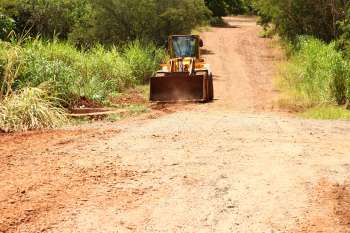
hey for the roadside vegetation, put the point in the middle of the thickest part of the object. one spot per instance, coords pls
(316, 35)
(58, 55)
(30, 108)
(68, 75)
(316, 73)
(221, 8)
(327, 112)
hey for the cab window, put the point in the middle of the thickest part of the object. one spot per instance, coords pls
(184, 46)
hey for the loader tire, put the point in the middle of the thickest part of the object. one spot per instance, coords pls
(211, 88)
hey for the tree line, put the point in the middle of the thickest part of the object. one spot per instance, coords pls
(117, 21)
(327, 20)
(86, 22)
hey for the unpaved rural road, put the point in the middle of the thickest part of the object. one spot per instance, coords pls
(235, 165)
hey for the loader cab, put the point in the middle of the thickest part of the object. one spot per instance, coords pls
(181, 46)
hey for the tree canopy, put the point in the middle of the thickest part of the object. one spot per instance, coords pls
(318, 18)
(117, 21)
(226, 7)
(104, 21)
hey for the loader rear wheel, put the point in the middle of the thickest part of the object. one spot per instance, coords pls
(211, 88)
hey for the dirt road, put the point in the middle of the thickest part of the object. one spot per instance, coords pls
(234, 165)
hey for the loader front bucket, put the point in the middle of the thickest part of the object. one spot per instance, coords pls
(179, 87)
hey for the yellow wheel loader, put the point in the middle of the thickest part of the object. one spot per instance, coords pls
(185, 76)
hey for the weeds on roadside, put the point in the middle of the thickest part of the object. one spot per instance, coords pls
(31, 108)
(316, 74)
(143, 59)
(69, 75)
(10, 64)
(327, 112)
(73, 74)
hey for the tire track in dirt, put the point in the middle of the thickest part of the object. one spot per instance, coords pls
(329, 209)
(243, 64)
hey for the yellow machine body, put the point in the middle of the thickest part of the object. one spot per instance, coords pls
(185, 76)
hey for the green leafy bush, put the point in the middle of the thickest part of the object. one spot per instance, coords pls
(86, 22)
(7, 24)
(343, 41)
(31, 108)
(317, 73)
(120, 21)
(226, 7)
(217, 22)
(303, 17)
(48, 18)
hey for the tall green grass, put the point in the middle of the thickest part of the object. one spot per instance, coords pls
(316, 73)
(74, 74)
(31, 108)
(10, 64)
(71, 73)
(68, 74)
(144, 59)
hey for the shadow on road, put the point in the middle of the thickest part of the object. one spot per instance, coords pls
(228, 26)
(207, 52)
